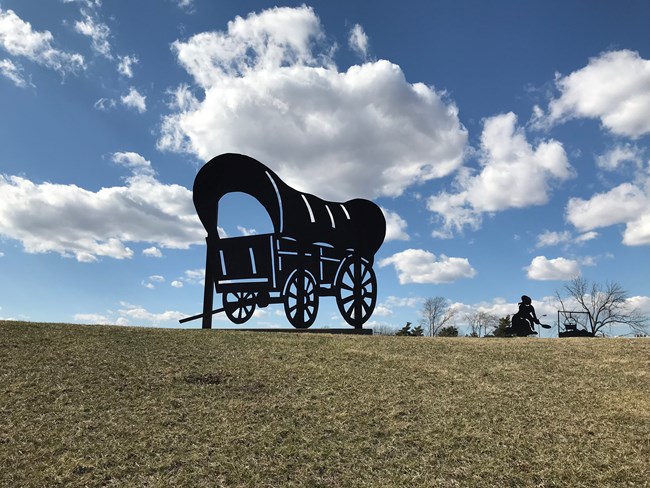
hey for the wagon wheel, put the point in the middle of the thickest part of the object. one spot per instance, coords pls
(301, 299)
(239, 306)
(356, 287)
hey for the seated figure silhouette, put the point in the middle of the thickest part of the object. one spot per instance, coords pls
(523, 320)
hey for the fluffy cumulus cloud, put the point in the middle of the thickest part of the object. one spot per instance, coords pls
(268, 87)
(135, 162)
(72, 221)
(542, 268)
(513, 174)
(395, 226)
(628, 203)
(18, 38)
(599, 91)
(135, 100)
(152, 252)
(620, 155)
(420, 266)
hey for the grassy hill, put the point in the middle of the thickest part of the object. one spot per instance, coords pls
(99, 405)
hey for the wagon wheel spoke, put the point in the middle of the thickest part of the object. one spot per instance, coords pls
(301, 299)
(356, 293)
(239, 306)
(366, 283)
(347, 287)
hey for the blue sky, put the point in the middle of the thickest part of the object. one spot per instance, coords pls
(507, 142)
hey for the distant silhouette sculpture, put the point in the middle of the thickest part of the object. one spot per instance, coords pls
(523, 321)
(318, 248)
(571, 326)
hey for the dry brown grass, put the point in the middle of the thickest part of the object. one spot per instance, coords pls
(98, 406)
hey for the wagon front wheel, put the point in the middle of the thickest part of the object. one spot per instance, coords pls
(356, 287)
(239, 306)
(301, 299)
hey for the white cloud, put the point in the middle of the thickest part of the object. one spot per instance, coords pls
(420, 266)
(125, 66)
(246, 232)
(92, 318)
(71, 221)
(177, 284)
(187, 5)
(641, 303)
(542, 268)
(548, 238)
(271, 90)
(152, 280)
(98, 32)
(619, 155)
(88, 3)
(135, 100)
(136, 312)
(382, 311)
(104, 104)
(19, 39)
(358, 41)
(513, 174)
(12, 72)
(194, 276)
(409, 302)
(152, 252)
(133, 161)
(614, 88)
(637, 232)
(587, 236)
(622, 204)
(395, 226)
(627, 203)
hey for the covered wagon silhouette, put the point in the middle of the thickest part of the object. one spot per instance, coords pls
(318, 248)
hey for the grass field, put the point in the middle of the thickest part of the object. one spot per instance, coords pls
(114, 406)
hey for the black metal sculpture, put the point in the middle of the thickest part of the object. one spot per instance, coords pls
(523, 322)
(318, 248)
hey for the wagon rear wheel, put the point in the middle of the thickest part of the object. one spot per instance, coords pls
(239, 305)
(301, 299)
(356, 286)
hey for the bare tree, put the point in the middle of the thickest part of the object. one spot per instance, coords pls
(479, 322)
(436, 313)
(606, 305)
